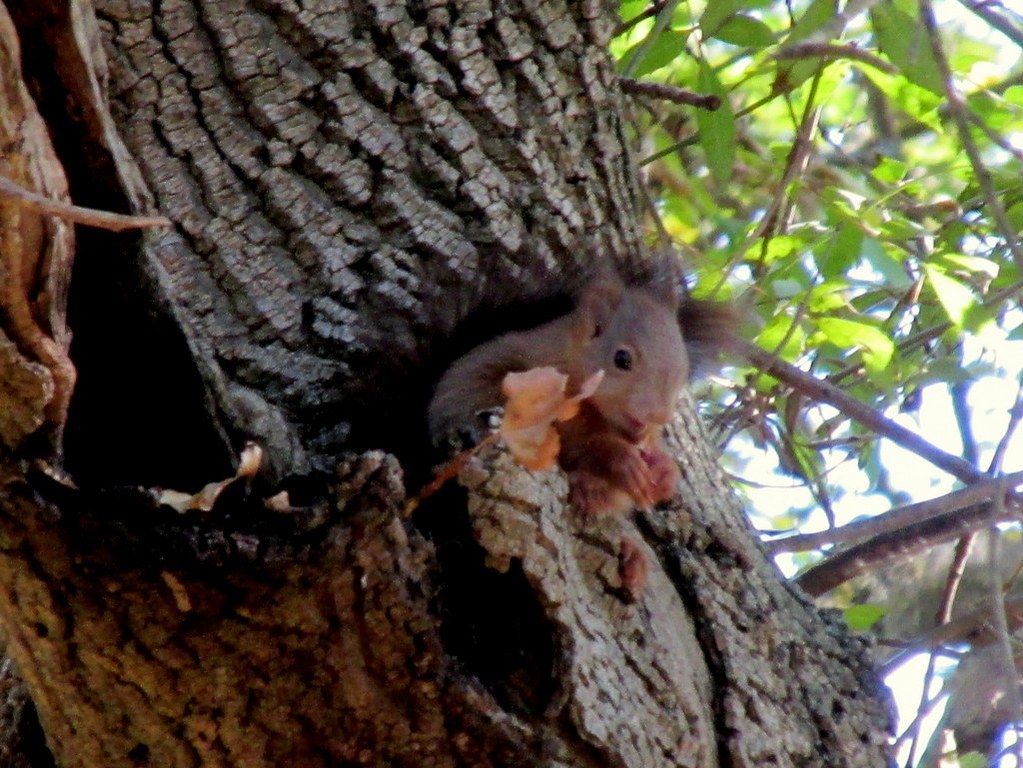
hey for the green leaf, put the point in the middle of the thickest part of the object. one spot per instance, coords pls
(955, 298)
(790, 75)
(668, 46)
(889, 170)
(919, 103)
(1015, 214)
(862, 617)
(905, 42)
(1014, 95)
(717, 128)
(972, 760)
(828, 297)
(875, 344)
(778, 330)
(630, 9)
(817, 15)
(842, 252)
(777, 248)
(717, 13)
(975, 264)
(745, 31)
(946, 370)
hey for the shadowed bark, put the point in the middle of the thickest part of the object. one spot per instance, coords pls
(350, 186)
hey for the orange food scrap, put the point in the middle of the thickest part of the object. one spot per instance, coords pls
(536, 400)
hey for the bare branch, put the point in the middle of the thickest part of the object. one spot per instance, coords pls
(898, 545)
(974, 628)
(670, 93)
(897, 519)
(115, 222)
(825, 392)
(833, 52)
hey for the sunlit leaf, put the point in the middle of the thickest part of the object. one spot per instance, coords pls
(889, 170)
(968, 263)
(717, 13)
(780, 336)
(955, 298)
(745, 31)
(905, 41)
(876, 345)
(842, 251)
(630, 9)
(668, 46)
(816, 16)
(863, 617)
(917, 102)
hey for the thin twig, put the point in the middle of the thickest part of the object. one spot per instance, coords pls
(956, 569)
(1015, 417)
(114, 222)
(833, 52)
(672, 93)
(995, 137)
(795, 164)
(646, 13)
(1002, 24)
(822, 391)
(897, 545)
(688, 142)
(926, 705)
(447, 472)
(974, 628)
(957, 110)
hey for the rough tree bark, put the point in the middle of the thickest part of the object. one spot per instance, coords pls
(348, 182)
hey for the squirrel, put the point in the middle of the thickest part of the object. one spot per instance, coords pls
(612, 450)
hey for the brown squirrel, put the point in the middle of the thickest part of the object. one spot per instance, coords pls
(612, 450)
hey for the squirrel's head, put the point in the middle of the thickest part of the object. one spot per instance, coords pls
(633, 334)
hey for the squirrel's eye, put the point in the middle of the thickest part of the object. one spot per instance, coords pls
(623, 359)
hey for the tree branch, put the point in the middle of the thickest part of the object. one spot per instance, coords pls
(823, 391)
(832, 52)
(897, 519)
(897, 545)
(670, 93)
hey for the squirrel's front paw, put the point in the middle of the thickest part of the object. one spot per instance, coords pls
(593, 495)
(664, 474)
(634, 476)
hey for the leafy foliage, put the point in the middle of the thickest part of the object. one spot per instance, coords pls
(860, 192)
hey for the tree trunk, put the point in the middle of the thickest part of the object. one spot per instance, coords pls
(351, 185)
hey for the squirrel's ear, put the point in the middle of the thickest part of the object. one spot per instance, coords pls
(597, 305)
